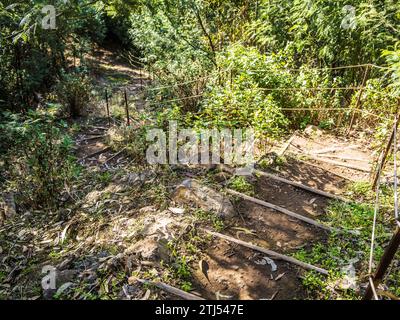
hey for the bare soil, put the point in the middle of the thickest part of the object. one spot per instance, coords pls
(232, 268)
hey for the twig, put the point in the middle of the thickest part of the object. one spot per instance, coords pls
(115, 155)
(171, 289)
(100, 128)
(95, 154)
(93, 138)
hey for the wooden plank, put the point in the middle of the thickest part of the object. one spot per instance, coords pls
(301, 186)
(328, 171)
(333, 149)
(95, 153)
(268, 252)
(175, 291)
(282, 210)
(337, 163)
(286, 145)
(333, 156)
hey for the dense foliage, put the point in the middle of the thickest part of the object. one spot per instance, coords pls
(246, 48)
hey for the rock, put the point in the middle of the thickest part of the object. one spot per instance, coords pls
(9, 204)
(193, 192)
(62, 277)
(65, 276)
(313, 130)
(150, 249)
(176, 210)
(158, 224)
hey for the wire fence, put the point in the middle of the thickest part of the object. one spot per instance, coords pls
(114, 100)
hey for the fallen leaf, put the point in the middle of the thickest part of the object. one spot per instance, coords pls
(246, 231)
(219, 295)
(204, 267)
(64, 287)
(64, 233)
(312, 200)
(266, 260)
(177, 210)
(280, 276)
(146, 295)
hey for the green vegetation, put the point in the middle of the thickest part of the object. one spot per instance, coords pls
(42, 161)
(240, 184)
(344, 252)
(227, 56)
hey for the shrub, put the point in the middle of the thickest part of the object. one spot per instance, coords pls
(237, 99)
(74, 92)
(42, 162)
(233, 108)
(133, 140)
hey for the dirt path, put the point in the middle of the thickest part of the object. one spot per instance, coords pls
(111, 72)
(236, 272)
(107, 214)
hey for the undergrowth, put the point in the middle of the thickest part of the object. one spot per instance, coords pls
(346, 255)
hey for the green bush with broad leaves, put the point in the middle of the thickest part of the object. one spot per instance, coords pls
(40, 160)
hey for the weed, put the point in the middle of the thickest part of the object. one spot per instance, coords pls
(104, 177)
(216, 222)
(340, 249)
(240, 184)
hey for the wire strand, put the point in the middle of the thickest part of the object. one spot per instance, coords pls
(329, 68)
(311, 88)
(396, 215)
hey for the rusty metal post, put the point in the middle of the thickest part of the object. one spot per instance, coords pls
(385, 262)
(150, 74)
(108, 109)
(385, 154)
(128, 121)
(359, 98)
